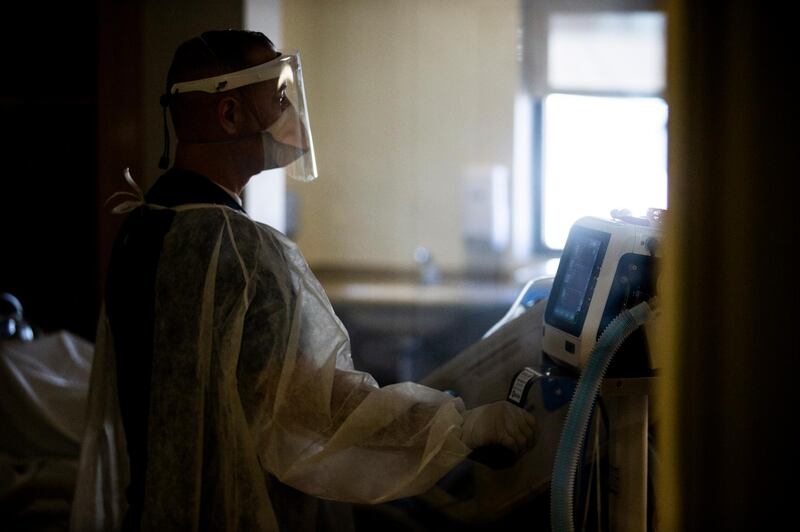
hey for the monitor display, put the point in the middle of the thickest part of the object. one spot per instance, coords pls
(577, 274)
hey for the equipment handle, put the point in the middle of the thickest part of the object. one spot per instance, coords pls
(498, 456)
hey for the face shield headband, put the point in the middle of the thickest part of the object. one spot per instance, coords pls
(287, 141)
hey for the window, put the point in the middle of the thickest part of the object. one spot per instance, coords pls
(600, 129)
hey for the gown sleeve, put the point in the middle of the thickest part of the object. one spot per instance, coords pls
(325, 428)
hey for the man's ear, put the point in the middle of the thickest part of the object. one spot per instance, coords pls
(229, 114)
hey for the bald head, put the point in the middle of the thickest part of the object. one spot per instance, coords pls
(210, 54)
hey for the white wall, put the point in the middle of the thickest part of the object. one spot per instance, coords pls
(404, 98)
(265, 194)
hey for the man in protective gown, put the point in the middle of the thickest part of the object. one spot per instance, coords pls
(223, 394)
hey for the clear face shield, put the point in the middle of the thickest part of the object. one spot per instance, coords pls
(279, 102)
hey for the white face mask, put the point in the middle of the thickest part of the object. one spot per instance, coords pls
(286, 142)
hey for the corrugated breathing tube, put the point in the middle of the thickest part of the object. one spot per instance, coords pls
(568, 454)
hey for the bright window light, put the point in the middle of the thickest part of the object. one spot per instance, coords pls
(621, 52)
(601, 153)
(603, 136)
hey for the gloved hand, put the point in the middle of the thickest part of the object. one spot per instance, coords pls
(499, 423)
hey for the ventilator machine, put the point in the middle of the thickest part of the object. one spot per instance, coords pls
(574, 351)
